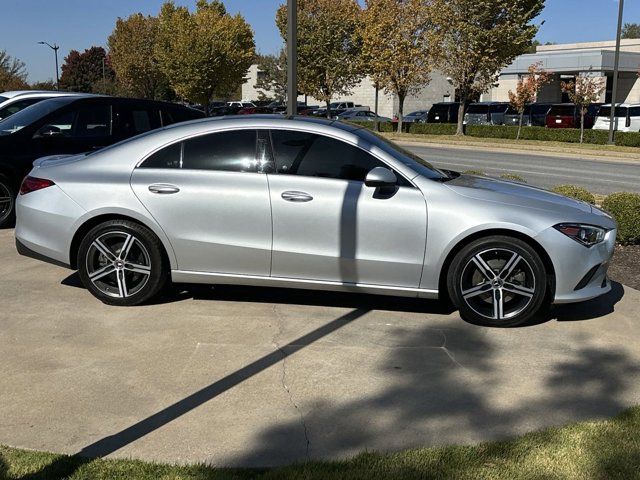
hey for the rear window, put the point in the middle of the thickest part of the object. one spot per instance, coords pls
(498, 108)
(513, 111)
(540, 109)
(563, 110)
(474, 108)
(606, 112)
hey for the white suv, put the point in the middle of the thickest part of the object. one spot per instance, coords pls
(14, 101)
(627, 118)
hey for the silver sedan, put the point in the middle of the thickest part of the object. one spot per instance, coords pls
(308, 203)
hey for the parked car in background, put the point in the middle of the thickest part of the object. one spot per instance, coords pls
(362, 116)
(417, 116)
(627, 118)
(486, 113)
(443, 112)
(336, 108)
(253, 110)
(72, 125)
(14, 101)
(242, 104)
(567, 115)
(273, 201)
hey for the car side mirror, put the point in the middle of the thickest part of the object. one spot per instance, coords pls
(380, 177)
(48, 131)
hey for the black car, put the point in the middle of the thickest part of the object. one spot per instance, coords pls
(443, 112)
(534, 115)
(72, 125)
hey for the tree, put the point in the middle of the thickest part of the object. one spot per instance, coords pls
(329, 46)
(527, 90)
(203, 54)
(83, 72)
(272, 76)
(43, 85)
(631, 30)
(395, 47)
(13, 75)
(585, 90)
(478, 38)
(533, 48)
(131, 50)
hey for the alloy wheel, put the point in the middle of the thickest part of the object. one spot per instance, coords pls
(118, 264)
(497, 284)
(6, 202)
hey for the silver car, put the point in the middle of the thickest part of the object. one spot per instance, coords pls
(308, 203)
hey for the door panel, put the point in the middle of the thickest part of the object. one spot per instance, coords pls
(347, 232)
(217, 221)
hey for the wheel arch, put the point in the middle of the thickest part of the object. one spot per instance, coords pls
(91, 222)
(538, 248)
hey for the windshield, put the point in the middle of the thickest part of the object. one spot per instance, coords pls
(29, 115)
(475, 108)
(620, 112)
(403, 155)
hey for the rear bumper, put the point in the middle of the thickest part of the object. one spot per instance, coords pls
(27, 252)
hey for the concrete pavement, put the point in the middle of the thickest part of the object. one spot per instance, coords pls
(596, 175)
(256, 377)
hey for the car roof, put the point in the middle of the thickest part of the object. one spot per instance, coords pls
(623, 105)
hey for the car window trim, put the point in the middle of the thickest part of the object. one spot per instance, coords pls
(339, 139)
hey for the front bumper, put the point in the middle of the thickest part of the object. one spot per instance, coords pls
(580, 272)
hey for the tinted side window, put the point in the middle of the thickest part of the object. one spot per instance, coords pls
(168, 157)
(301, 153)
(136, 120)
(634, 112)
(15, 107)
(230, 151)
(85, 122)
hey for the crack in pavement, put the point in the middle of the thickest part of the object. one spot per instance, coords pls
(274, 341)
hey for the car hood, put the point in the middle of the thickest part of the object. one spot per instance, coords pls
(513, 193)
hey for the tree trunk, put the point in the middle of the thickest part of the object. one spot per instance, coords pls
(461, 110)
(376, 124)
(520, 125)
(328, 103)
(581, 125)
(401, 99)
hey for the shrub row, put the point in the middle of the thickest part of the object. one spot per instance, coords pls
(569, 135)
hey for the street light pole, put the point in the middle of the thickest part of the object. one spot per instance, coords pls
(292, 67)
(55, 49)
(616, 67)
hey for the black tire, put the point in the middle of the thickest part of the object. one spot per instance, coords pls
(498, 281)
(7, 202)
(122, 278)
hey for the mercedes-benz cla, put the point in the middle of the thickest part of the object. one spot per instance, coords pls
(308, 203)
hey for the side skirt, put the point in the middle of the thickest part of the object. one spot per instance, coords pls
(180, 276)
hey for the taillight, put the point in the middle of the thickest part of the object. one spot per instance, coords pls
(31, 184)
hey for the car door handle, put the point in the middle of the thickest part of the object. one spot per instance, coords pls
(292, 196)
(163, 189)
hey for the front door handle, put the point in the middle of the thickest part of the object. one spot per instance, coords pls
(163, 188)
(292, 196)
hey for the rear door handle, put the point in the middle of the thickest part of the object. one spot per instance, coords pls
(163, 188)
(293, 196)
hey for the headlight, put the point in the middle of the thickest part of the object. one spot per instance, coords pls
(587, 235)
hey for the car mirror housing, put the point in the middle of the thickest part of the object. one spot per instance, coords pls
(380, 177)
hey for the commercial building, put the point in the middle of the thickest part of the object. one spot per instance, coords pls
(564, 61)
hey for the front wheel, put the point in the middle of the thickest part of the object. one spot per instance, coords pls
(498, 281)
(121, 263)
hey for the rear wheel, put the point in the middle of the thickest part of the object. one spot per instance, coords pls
(121, 263)
(498, 281)
(7, 202)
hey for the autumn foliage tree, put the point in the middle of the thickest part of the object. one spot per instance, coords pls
(477, 39)
(583, 91)
(273, 76)
(527, 90)
(13, 75)
(131, 50)
(395, 47)
(83, 72)
(205, 53)
(328, 47)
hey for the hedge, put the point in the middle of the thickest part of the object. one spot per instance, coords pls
(625, 208)
(574, 191)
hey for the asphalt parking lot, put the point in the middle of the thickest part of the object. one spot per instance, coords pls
(257, 377)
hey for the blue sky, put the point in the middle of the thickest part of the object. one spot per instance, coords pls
(79, 24)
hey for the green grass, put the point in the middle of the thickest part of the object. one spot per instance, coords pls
(588, 450)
